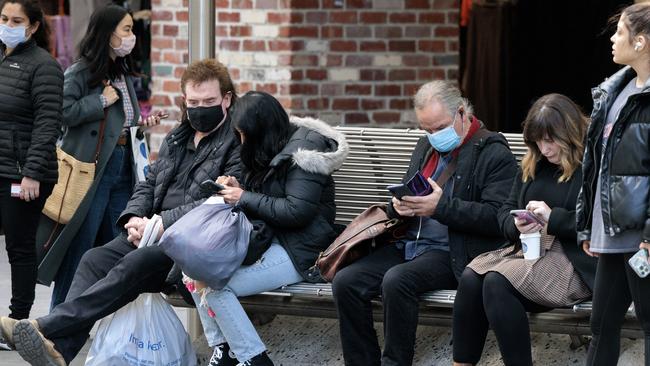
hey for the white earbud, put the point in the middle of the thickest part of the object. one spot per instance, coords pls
(637, 46)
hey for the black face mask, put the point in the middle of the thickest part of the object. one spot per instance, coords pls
(205, 119)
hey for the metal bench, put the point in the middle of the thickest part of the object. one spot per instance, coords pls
(379, 157)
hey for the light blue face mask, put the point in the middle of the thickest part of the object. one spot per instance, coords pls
(12, 36)
(446, 139)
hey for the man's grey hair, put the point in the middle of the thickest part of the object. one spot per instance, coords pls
(444, 92)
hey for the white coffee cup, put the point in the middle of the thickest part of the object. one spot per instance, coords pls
(531, 245)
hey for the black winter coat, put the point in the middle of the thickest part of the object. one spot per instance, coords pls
(561, 223)
(625, 191)
(297, 196)
(219, 157)
(482, 182)
(31, 98)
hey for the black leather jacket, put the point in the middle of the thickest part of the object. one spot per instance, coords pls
(625, 165)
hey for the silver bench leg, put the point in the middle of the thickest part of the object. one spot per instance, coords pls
(194, 324)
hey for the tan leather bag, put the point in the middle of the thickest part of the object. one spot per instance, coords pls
(357, 240)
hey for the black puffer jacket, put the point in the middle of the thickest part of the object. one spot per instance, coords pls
(31, 98)
(298, 203)
(625, 191)
(482, 182)
(219, 157)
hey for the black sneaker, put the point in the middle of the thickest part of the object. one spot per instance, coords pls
(222, 356)
(260, 360)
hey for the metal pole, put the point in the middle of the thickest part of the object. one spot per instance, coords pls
(201, 29)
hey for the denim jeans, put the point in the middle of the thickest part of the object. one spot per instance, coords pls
(230, 323)
(113, 193)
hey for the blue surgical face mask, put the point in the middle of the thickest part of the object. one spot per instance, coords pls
(12, 36)
(446, 139)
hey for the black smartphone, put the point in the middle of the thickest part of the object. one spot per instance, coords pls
(210, 187)
(399, 190)
(416, 186)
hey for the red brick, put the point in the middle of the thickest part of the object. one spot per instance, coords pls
(182, 16)
(452, 46)
(250, 45)
(331, 89)
(269, 88)
(445, 32)
(162, 43)
(403, 74)
(229, 45)
(401, 46)
(234, 72)
(417, 4)
(331, 32)
(242, 4)
(240, 31)
(266, 4)
(356, 118)
(297, 75)
(388, 90)
(181, 44)
(310, 89)
(386, 117)
(299, 4)
(343, 46)
(400, 104)
(316, 17)
(156, 56)
(243, 87)
(431, 74)
(388, 32)
(228, 17)
(178, 71)
(431, 46)
(173, 57)
(432, 17)
(171, 86)
(372, 104)
(290, 103)
(298, 31)
(402, 17)
(358, 4)
(418, 32)
(345, 104)
(411, 89)
(358, 32)
(170, 30)
(445, 4)
(161, 100)
(284, 89)
(316, 74)
(453, 17)
(278, 18)
(334, 60)
(372, 46)
(318, 104)
(221, 31)
(358, 89)
(222, 4)
(358, 60)
(298, 60)
(452, 74)
(156, 30)
(374, 17)
(279, 45)
(162, 15)
(343, 17)
(372, 75)
(417, 60)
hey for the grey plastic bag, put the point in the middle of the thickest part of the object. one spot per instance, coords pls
(209, 243)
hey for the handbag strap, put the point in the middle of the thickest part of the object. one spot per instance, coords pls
(102, 127)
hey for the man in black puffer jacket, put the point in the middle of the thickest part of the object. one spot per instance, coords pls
(203, 147)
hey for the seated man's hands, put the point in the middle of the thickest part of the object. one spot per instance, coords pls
(227, 180)
(419, 205)
(135, 229)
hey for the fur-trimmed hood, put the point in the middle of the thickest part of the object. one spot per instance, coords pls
(315, 147)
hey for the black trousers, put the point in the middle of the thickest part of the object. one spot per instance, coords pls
(616, 286)
(107, 278)
(386, 273)
(19, 220)
(490, 300)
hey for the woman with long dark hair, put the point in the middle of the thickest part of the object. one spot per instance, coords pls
(99, 107)
(498, 288)
(287, 183)
(614, 206)
(31, 93)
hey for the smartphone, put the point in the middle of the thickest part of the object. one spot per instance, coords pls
(527, 216)
(639, 263)
(417, 185)
(399, 190)
(210, 187)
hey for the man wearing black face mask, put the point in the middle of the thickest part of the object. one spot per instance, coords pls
(203, 147)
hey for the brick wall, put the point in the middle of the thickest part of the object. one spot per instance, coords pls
(346, 61)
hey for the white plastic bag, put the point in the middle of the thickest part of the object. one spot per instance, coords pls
(145, 332)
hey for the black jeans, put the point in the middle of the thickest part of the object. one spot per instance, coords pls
(490, 300)
(19, 220)
(107, 278)
(615, 287)
(399, 282)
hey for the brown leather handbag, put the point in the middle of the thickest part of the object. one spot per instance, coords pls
(370, 229)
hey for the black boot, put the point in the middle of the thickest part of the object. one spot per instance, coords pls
(221, 356)
(260, 360)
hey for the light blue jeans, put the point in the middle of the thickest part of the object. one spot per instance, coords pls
(230, 323)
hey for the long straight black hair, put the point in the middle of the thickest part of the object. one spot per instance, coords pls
(266, 129)
(94, 48)
(34, 12)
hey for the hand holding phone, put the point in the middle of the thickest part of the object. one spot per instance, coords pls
(416, 186)
(527, 217)
(639, 263)
(210, 187)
